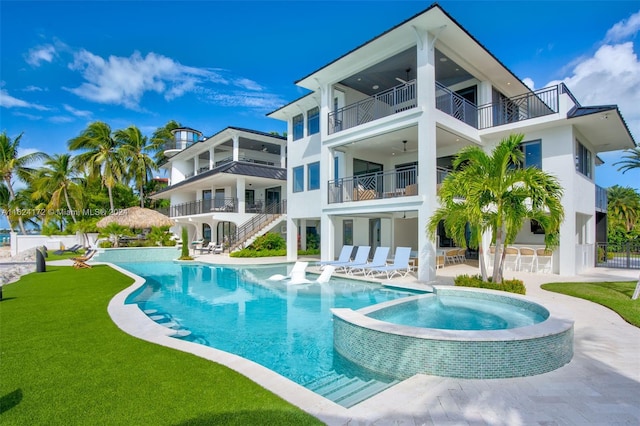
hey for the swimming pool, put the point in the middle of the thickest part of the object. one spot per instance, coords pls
(287, 329)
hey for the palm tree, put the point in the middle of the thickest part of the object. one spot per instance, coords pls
(629, 161)
(101, 156)
(11, 164)
(493, 193)
(161, 137)
(623, 207)
(58, 179)
(136, 149)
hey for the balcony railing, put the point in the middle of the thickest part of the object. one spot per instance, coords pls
(601, 199)
(178, 145)
(373, 186)
(456, 106)
(229, 205)
(507, 110)
(510, 110)
(244, 159)
(383, 104)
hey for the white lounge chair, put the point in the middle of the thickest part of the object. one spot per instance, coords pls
(361, 259)
(400, 264)
(379, 260)
(345, 257)
(298, 271)
(324, 277)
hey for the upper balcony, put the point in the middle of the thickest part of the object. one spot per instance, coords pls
(602, 202)
(503, 111)
(391, 101)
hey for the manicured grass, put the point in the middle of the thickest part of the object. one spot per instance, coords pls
(63, 361)
(613, 295)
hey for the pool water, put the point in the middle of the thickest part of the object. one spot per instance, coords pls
(287, 329)
(459, 313)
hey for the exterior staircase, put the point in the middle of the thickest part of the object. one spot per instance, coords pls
(258, 225)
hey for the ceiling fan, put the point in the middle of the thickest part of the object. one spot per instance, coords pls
(404, 148)
(408, 70)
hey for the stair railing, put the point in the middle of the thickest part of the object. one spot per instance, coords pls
(256, 223)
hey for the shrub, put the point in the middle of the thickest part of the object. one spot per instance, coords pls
(105, 244)
(247, 252)
(269, 241)
(309, 252)
(185, 245)
(511, 286)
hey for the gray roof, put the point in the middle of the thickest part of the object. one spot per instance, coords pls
(235, 168)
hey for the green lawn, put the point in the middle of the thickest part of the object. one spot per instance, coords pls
(613, 295)
(63, 361)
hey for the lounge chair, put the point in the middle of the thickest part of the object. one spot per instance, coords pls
(400, 264)
(298, 272)
(72, 249)
(379, 260)
(345, 257)
(361, 259)
(324, 277)
(81, 261)
(217, 249)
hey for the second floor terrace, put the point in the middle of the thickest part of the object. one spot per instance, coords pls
(502, 110)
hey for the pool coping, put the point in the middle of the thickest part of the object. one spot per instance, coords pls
(130, 319)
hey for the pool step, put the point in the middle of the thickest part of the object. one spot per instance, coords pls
(347, 391)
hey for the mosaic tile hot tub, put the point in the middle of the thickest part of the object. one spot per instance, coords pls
(402, 351)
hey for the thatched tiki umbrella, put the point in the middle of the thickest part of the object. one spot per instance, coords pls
(136, 218)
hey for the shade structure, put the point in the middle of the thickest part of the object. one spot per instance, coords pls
(136, 217)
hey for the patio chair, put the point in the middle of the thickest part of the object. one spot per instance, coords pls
(462, 255)
(298, 271)
(361, 259)
(451, 256)
(544, 260)
(379, 260)
(527, 259)
(511, 259)
(400, 264)
(345, 257)
(80, 262)
(72, 249)
(217, 248)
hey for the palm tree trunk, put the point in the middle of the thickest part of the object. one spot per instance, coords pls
(66, 197)
(110, 198)
(141, 196)
(497, 259)
(483, 267)
(12, 196)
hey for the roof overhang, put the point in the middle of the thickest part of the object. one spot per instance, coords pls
(451, 38)
(604, 127)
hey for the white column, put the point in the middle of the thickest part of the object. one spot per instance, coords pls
(236, 147)
(283, 156)
(303, 234)
(427, 175)
(195, 165)
(292, 239)
(240, 187)
(211, 158)
(327, 237)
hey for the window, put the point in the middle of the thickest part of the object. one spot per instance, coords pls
(298, 127)
(298, 179)
(313, 121)
(347, 232)
(313, 174)
(583, 159)
(532, 154)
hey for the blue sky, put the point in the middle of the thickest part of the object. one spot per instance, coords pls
(211, 64)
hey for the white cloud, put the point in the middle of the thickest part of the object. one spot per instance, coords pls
(76, 112)
(610, 76)
(624, 29)
(245, 99)
(529, 83)
(8, 101)
(124, 81)
(39, 54)
(34, 89)
(59, 119)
